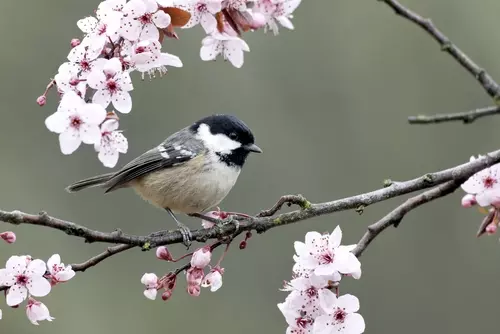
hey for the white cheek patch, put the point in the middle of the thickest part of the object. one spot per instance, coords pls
(219, 143)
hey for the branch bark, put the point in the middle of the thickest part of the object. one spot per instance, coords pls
(466, 117)
(487, 82)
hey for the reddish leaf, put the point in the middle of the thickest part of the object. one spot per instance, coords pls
(178, 16)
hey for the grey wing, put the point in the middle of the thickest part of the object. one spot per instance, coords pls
(169, 154)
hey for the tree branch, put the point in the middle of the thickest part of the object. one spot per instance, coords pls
(466, 117)
(264, 221)
(396, 216)
(489, 85)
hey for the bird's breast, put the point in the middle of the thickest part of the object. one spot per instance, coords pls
(190, 188)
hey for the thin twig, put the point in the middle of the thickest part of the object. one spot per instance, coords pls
(395, 216)
(490, 85)
(466, 117)
(287, 199)
(110, 251)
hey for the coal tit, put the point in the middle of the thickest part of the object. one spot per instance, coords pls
(190, 172)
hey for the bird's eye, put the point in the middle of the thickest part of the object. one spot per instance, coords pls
(233, 136)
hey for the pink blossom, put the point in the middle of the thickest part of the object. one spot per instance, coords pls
(151, 282)
(213, 279)
(112, 85)
(203, 12)
(201, 257)
(340, 314)
(24, 275)
(325, 256)
(58, 271)
(484, 185)
(37, 311)
(112, 143)
(76, 121)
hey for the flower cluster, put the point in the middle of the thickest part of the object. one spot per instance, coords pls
(127, 36)
(24, 278)
(483, 189)
(312, 306)
(195, 274)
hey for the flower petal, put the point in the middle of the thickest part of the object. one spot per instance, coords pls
(57, 122)
(69, 141)
(102, 97)
(109, 158)
(36, 267)
(161, 19)
(355, 323)
(327, 300)
(96, 79)
(38, 286)
(150, 293)
(16, 295)
(53, 260)
(335, 238)
(122, 102)
(90, 133)
(16, 265)
(348, 302)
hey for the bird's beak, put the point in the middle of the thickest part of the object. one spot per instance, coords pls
(253, 148)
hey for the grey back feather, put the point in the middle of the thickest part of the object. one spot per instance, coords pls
(173, 152)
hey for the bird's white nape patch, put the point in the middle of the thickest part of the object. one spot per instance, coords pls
(219, 143)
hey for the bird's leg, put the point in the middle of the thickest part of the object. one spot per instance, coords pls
(185, 231)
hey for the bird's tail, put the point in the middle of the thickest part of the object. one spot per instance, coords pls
(89, 183)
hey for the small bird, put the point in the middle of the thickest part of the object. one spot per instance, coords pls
(192, 171)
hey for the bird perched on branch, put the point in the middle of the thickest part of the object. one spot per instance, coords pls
(190, 172)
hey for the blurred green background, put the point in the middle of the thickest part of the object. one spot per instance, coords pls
(328, 103)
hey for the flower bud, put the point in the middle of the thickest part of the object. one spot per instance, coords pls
(162, 253)
(41, 100)
(9, 237)
(243, 244)
(194, 290)
(201, 257)
(194, 276)
(166, 295)
(75, 42)
(491, 228)
(468, 201)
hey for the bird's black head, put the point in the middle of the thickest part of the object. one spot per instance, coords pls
(227, 136)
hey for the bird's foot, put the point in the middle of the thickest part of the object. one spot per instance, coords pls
(187, 237)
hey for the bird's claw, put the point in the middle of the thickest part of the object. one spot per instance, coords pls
(187, 237)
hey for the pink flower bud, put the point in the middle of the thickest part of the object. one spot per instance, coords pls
(243, 244)
(166, 295)
(8, 237)
(162, 253)
(41, 100)
(75, 42)
(210, 214)
(259, 20)
(491, 228)
(194, 290)
(194, 276)
(201, 258)
(468, 201)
